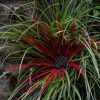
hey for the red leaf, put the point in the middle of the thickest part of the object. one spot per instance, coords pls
(68, 47)
(77, 67)
(56, 75)
(33, 64)
(56, 47)
(43, 63)
(74, 52)
(41, 75)
(14, 68)
(28, 39)
(73, 29)
(31, 88)
(51, 71)
(63, 73)
(44, 49)
(80, 47)
(93, 43)
(45, 37)
(46, 84)
(43, 26)
(35, 73)
(45, 76)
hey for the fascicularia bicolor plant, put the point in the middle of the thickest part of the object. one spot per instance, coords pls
(58, 66)
(59, 58)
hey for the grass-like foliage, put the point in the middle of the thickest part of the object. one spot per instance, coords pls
(59, 57)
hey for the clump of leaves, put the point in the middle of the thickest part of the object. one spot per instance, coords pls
(59, 64)
(59, 59)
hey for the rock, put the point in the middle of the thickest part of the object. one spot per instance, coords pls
(10, 6)
(4, 88)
